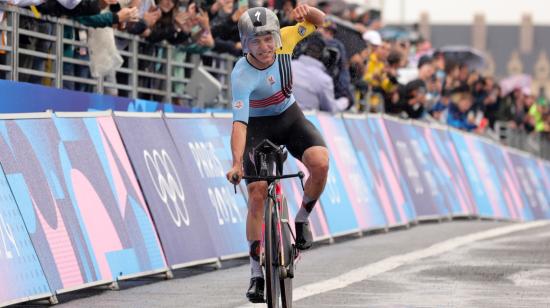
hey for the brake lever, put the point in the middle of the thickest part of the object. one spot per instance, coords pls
(301, 175)
(235, 178)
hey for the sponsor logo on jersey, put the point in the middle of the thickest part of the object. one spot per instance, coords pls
(271, 79)
(238, 104)
(302, 30)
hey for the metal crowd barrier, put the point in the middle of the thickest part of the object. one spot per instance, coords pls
(537, 144)
(33, 50)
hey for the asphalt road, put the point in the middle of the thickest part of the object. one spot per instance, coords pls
(451, 264)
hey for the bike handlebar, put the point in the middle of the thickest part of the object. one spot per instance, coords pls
(300, 175)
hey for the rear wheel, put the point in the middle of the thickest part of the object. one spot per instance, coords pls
(271, 241)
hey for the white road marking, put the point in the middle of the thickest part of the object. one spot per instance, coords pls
(531, 278)
(391, 263)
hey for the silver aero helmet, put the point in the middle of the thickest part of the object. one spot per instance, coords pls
(257, 21)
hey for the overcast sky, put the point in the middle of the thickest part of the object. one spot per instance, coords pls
(462, 11)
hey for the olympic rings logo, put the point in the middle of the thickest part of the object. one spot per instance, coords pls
(168, 185)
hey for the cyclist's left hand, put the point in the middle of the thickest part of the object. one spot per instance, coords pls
(300, 12)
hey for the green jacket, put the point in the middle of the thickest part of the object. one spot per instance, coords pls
(107, 19)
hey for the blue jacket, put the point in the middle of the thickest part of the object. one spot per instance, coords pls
(459, 119)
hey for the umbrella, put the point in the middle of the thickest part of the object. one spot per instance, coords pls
(511, 83)
(473, 58)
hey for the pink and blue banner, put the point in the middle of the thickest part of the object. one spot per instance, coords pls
(176, 208)
(79, 199)
(21, 276)
(544, 170)
(494, 185)
(450, 172)
(361, 195)
(426, 182)
(433, 169)
(335, 201)
(203, 143)
(381, 168)
(531, 178)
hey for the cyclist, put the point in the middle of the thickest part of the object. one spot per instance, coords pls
(264, 108)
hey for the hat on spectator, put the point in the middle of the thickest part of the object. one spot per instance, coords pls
(425, 59)
(372, 37)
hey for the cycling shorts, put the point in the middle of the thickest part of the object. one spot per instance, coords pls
(290, 128)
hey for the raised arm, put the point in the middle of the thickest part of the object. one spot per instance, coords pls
(304, 12)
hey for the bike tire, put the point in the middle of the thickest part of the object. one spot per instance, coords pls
(286, 292)
(271, 257)
(286, 283)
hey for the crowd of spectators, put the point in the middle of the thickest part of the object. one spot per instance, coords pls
(376, 78)
(193, 26)
(409, 78)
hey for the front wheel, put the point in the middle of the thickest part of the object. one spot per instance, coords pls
(287, 252)
(271, 242)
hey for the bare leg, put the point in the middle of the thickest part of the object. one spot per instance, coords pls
(257, 192)
(316, 161)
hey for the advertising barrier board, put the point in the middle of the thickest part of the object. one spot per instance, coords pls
(80, 201)
(380, 165)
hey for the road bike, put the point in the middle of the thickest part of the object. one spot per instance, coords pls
(278, 251)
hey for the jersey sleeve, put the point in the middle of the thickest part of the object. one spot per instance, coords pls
(241, 88)
(292, 35)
